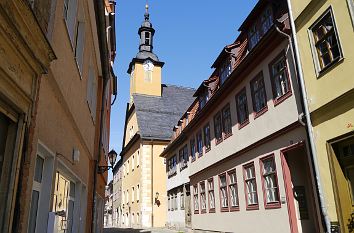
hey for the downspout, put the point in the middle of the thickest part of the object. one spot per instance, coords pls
(309, 126)
(152, 182)
(101, 31)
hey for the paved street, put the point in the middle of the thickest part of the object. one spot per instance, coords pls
(119, 230)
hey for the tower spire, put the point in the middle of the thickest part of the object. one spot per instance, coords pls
(147, 15)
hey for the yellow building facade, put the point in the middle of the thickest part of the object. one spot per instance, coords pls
(151, 113)
(325, 32)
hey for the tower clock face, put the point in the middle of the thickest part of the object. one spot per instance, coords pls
(148, 66)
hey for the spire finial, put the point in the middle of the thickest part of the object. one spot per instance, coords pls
(147, 10)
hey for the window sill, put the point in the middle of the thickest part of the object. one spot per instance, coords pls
(203, 212)
(329, 67)
(193, 159)
(184, 167)
(282, 98)
(273, 205)
(226, 136)
(261, 112)
(243, 124)
(224, 209)
(212, 210)
(234, 208)
(196, 211)
(207, 149)
(200, 155)
(218, 141)
(252, 207)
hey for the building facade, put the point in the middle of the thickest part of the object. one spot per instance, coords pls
(108, 205)
(25, 55)
(56, 189)
(153, 108)
(324, 32)
(117, 194)
(243, 141)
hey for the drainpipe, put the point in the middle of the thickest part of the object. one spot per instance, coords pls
(101, 32)
(152, 183)
(308, 120)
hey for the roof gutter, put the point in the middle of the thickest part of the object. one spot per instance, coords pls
(308, 120)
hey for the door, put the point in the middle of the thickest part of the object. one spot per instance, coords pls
(343, 168)
(299, 191)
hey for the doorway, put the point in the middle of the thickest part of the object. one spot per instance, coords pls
(299, 190)
(342, 169)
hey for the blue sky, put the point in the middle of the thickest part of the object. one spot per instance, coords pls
(189, 36)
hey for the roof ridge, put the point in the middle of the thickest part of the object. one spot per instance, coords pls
(175, 85)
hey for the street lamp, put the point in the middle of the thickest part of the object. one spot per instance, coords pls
(112, 157)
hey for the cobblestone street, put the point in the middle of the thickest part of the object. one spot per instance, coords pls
(130, 230)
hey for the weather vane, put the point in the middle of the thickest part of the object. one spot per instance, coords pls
(147, 10)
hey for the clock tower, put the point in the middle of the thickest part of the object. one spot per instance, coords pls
(145, 68)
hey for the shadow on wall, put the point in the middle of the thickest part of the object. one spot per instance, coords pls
(119, 230)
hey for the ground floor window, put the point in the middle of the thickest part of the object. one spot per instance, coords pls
(211, 195)
(223, 192)
(251, 186)
(270, 181)
(202, 196)
(233, 189)
(196, 199)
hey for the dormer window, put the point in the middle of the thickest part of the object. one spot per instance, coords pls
(253, 36)
(266, 20)
(147, 38)
(203, 98)
(225, 71)
(260, 27)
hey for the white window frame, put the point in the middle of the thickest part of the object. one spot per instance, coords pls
(351, 10)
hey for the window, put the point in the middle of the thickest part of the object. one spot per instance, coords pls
(233, 190)
(206, 132)
(175, 202)
(223, 193)
(203, 98)
(242, 109)
(202, 197)
(169, 202)
(79, 47)
(225, 70)
(183, 157)
(128, 167)
(37, 183)
(253, 36)
(172, 166)
(217, 127)
(182, 200)
(133, 163)
(70, 14)
(199, 144)
(258, 95)
(226, 121)
(211, 195)
(147, 38)
(138, 159)
(251, 186)
(326, 41)
(133, 193)
(192, 145)
(266, 20)
(279, 77)
(92, 91)
(270, 182)
(260, 27)
(351, 9)
(196, 199)
(137, 193)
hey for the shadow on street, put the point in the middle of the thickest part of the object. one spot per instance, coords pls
(118, 230)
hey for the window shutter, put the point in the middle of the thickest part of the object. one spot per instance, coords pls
(79, 50)
(71, 19)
